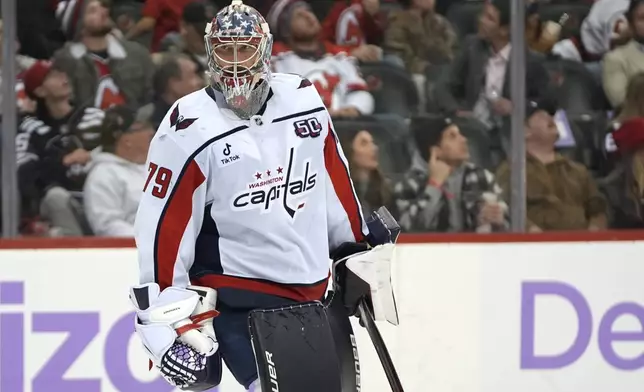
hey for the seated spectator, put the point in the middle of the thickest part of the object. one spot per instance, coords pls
(561, 194)
(354, 23)
(478, 82)
(68, 12)
(632, 106)
(104, 70)
(159, 16)
(334, 74)
(624, 186)
(622, 63)
(282, 12)
(372, 188)
(420, 36)
(174, 78)
(452, 194)
(604, 28)
(53, 151)
(113, 187)
(194, 19)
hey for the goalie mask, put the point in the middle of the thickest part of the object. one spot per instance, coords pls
(239, 45)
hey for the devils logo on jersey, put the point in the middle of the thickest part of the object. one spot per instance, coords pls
(326, 84)
(276, 186)
(107, 93)
(349, 31)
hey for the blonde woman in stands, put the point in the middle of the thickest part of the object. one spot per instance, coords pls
(632, 107)
(624, 187)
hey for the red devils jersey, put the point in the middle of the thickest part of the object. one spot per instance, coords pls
(333, 73)
(107, 93)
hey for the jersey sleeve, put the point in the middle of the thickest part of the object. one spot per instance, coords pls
(357, 94)
(29, 130)
(29, 164)
(170, 212)
(344, 213)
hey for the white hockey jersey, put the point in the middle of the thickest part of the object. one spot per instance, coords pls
(333, 73)
(255, 205)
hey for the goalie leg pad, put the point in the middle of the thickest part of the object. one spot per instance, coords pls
(233, 334)
(345, 344)
(295, 349)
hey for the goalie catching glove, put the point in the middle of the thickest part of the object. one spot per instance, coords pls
(175, 326)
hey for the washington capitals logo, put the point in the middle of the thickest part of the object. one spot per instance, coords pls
(282, 186)
(178, 121)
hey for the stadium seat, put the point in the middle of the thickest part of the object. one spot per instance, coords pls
(576, 12)
(321, 8)
(392, 88)
(433, 74)
(590, 132)
(442, 6)
(580, 93)
(392, 136)
(464, 17)
(388, 6)
(478, 141)
(131, 8)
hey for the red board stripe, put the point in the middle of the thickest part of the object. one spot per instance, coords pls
(420, 238)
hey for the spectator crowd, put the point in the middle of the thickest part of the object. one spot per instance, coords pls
(419, 91)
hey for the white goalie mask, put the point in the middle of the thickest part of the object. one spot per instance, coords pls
(238, 45)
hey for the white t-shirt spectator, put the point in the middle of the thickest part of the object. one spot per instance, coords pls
(333, 73)
(112, 193)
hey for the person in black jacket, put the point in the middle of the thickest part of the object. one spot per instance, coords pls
(53, 151)
(477, 83)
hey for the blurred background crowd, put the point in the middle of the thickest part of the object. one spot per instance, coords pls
(419, 91)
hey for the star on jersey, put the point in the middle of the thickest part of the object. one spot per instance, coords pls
(178, 122)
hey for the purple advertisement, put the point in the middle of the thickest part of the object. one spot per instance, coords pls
(599, 330)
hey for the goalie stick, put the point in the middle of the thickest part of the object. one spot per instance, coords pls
(366, 317)
(383, 228)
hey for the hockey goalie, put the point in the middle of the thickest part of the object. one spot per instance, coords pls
(248, 196)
